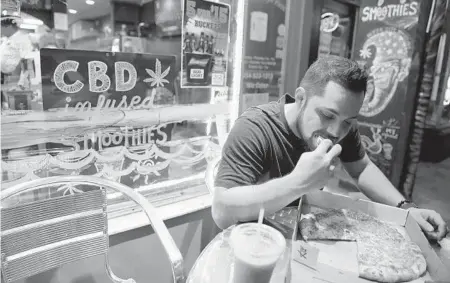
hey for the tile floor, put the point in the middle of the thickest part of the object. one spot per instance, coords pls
(432, 187)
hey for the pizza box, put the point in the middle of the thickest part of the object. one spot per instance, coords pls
(336, 261)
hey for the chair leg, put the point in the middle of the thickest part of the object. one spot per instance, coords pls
(112, 276)
(209, 231)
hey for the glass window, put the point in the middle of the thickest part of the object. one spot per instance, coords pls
(336, 29)
(161, 151)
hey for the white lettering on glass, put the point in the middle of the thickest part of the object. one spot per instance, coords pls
(58, 77)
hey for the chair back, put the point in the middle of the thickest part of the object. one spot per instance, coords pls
(211, 172)
(40, 235)
(68, 225)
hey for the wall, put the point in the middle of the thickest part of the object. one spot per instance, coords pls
(141, 258)
(300, 21)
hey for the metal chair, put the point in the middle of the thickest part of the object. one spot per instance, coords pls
(210, 174)
(40, 235)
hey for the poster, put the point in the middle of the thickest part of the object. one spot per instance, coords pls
(385, 43)
(109, 93)
(264, 48)
(205, 39)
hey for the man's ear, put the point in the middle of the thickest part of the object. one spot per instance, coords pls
(300, 96)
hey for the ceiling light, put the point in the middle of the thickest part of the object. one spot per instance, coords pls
(72, 11)
(28, 26)
(32, 21)
(90, 2)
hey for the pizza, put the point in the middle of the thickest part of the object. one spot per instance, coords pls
(329, 224)
(384, 255)
(390, 262)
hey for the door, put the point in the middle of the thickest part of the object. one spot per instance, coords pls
(333, 29)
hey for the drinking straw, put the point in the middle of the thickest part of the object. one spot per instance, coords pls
(261, 215)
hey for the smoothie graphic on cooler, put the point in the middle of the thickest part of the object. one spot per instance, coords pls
(257, 249)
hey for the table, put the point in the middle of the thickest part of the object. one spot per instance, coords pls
(215, 263)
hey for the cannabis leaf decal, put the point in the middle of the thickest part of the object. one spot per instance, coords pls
(69, 189)
(157, 78)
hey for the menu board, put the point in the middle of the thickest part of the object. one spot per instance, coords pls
(204, 57)
(263, 48)
(385, 43)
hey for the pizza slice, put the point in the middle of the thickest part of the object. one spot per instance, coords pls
(331, 224)
(389, 262)
(384, 255)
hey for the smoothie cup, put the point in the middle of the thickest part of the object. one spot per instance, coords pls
(256, 249)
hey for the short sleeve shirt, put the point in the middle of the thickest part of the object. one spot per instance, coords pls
(261, 146)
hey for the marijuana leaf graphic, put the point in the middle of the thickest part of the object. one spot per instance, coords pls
(157, 78)
(69, 189)
(365, 53)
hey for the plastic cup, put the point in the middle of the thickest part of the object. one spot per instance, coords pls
(257, 249)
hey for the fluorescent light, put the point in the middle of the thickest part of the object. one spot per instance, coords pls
(170, 28)
(90, 2)
(72, 11)
(31, 21)
(28, 26)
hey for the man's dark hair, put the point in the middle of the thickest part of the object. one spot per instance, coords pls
(340, 70)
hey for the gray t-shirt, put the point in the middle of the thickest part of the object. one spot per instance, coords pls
(261, 146)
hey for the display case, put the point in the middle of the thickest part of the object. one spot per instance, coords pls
(120, 116)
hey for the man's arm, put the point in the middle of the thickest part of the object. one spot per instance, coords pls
(243, 203)
(237, 196)
(372, 182)
(378, 188)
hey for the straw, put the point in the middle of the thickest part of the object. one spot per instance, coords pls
(261, 215)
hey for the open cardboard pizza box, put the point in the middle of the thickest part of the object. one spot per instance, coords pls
(336, 261)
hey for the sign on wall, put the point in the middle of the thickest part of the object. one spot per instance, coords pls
(385, 43)
(204, 57)
(263, 49)
(88, 79)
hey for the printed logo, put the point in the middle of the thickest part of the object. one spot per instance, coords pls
(197, 74)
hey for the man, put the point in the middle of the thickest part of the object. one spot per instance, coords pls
(266, 160)
(15, 45)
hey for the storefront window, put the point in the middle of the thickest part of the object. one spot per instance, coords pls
(94, 88)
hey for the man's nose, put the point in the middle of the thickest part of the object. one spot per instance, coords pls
(334, 132)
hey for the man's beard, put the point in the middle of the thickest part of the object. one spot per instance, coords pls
(312, 141)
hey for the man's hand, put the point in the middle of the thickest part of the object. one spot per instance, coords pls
(431, 223)
(315, 168)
